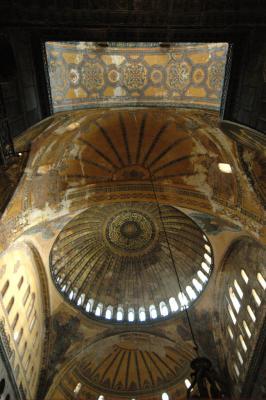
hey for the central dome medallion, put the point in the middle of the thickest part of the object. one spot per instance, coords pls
(131, 232)
(112, 261)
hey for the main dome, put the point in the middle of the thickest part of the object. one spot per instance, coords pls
(112, 261)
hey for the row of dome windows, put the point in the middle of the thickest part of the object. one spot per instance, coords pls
(164, 395)
(236, 296)
(183, 298)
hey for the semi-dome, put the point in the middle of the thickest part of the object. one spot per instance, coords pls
(134, 364)
(112, 261)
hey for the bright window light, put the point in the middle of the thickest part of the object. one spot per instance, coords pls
(205, 267)
(261, 280)
(173, 304)
(238, 289)
(142, 314)
(251, 313)
(244, 275)
(187, 383)
(224, 167)
(207, 247)
(256, 297)
(234, 300)
(197, 285)
(163, 309)
(243, 343)
(131, 315)
(237, 370)
(231, 313)
(183, 299)
(239, 357)
(99, 310)
(77, 388)
(247, 329)
(202, 277)
(230, 332)
(191, 293)
(207, 258)
(165, 396)
(109, 312)
(119, 314)
(153, 311)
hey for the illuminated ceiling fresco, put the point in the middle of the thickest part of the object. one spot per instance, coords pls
(84, 74)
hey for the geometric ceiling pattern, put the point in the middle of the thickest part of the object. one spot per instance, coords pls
(83, 74)
(113, 261)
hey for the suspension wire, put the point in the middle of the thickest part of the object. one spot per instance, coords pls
(196, 347)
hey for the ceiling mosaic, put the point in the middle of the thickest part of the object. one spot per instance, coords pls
(113, 261)
(84, 74)
(129, 364)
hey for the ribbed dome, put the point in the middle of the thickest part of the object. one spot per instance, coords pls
(134, 364)
(113, 262)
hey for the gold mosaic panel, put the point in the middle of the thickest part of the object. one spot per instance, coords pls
(84, 74)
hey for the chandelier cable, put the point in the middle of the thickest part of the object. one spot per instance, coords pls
(196, 347)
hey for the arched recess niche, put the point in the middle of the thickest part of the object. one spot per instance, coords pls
(25, 309)
(241, 306)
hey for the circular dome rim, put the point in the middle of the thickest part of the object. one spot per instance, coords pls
(137, 322)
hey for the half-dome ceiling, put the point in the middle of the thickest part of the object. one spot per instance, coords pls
(113, 261)
(131, 364)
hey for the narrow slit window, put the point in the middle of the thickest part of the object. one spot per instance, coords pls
(231, 313)
(256, 297)
(89, 305)
(234, 300)
(207, 247)
(207, 258)
(202, 277)
(153, 311)
(15, 321)
(120, 313)
(81, 299)
(20, 282)
(10, 305)
(173, 304)
(142, 314)
(187, 383)
(163, 309)
(261, 281)
(183, 300)
(230, 332)
(197, 285)
(243, 343)
(191, 293)
(238, 289)
(239, 357)
(251, 313)
(236, 370)
(4, 289)
(32, 322)
(18, 335)
(26, 295)
(109, 312)
(99, 310)
(131, 315)
(244, 275)
(247, 329)
(205, 267)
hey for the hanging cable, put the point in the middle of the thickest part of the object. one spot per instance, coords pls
(196, 347)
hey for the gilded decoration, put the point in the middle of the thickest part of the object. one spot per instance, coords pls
(82, 74)
(114, 253)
